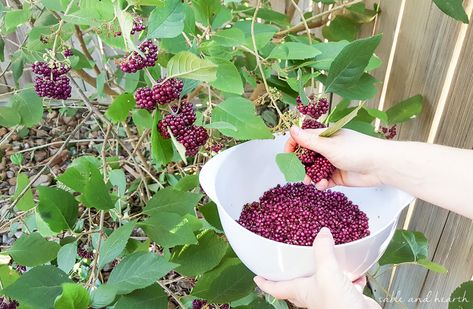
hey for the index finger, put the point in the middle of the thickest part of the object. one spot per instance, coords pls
(291, 145)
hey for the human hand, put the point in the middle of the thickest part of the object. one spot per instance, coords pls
(327, 288)
(356, 156)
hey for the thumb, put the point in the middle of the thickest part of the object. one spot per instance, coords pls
(324, 250)
(309, 139)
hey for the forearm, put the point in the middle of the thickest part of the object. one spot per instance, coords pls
(437, 174)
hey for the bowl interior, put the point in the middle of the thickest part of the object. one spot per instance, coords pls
(244, 172)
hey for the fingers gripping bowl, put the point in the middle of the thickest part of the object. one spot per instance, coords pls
(241, 174)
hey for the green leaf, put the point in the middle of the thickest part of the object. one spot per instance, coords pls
(231, 280)
(15, 18)
(26, 202)
(341, 28)
(263, 33)
(187, 65)
(100, 11)
(18, 65)
(205, 10)
(362, 89)
(362, 127)
(9, 117)
(66, 257)
(54, 5)
(290, 166)
(229, 37)
(204, 256)
(29, 106)
(151, 297)
(341, 123)
(44, 251)
(240, 113)
(228, 78)
(142, 118)
(350, 63)
(7, 276)
(74, 296)
(58, 208)
(167, 21)
(453, 8)
(137, 271)
(221, 125)
(2, 49)
(120, 107)
(339, 111)
(181, 150)
(405, 110)
(461, 296)
(38, 287)
(294, 51)
(100, 83)
(131, 81)
(115, 244)
(378, 114)
(96, 194)
(103, 295)
(161, 149)
(210, 213)
(170, 200)
(409, 247)
(169, 229)
(187, 183)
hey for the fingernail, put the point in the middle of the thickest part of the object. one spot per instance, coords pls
(257, 280)
(324, 232)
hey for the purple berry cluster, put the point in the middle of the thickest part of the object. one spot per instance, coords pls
(164, 92)
(135, 61)
(137, 27)
(315, 108)
(68, 53)
(84, 252)
(389, 133)
(167, 91)
(295, 213)
(203, 304)
(181, 124)
(51, 81)
(317, 167)
(5, 304)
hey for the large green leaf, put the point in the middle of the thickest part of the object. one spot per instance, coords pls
(58, 208)
(73, 296)
(409, 247)
(462, 296)
(290, 166)
(453, 8)
(44, 251)
(350, 63)
(199, 258)
(187, 65)
(29, 106)
(240, 113)
(26, 202)
(38, 287)
(137, 271)
(228, 78)
(7, 275)
(294, 51)
(229, 37)
(206, 10)
(120, 107)
(151, 297)
(170, 229)
(96, 193)
(341, 28)
(174, 201)
(161, 149)
(231, 280)
(167, 21)
(341, 122)
(263, 33)
(405, 110)
(362, 89)
(15, 18)
(9, 117)
(115, 244)
(210, 213)
(66, 257)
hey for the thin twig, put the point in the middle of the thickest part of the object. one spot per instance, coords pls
(170, 293)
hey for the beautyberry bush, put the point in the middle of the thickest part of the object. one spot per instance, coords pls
(105, 210)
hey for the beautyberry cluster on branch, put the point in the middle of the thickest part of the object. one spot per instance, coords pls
(295, 213)
(137, 27)
(389, 133)
(134, 61)
(317, 167)
(51, 81)
(4, 304)
(203, 304)
(68, 53)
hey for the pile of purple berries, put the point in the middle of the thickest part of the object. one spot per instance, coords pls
(317, 167)
(295, 213)
(135, 61)
(51, 81)
(203, 304)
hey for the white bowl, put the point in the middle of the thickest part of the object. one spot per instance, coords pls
(242, 173)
